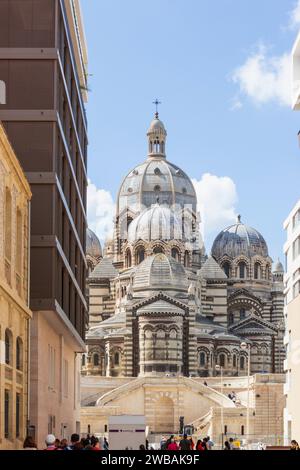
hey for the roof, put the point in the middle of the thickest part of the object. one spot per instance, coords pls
(239, 239)
(93, 245)
(104, 269)
(156, 223)
(160, 272)
(160, 306)
(211, 270)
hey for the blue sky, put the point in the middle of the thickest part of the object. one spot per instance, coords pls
(221, 71)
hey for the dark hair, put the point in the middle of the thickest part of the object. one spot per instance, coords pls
(29, 443)
(184, 436)
(75, 438)
(142, 447)
(227, 445)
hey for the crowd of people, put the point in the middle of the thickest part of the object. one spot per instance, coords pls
(186, 443)
(76, 443)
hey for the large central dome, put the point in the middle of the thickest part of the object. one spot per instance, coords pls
(156, 180)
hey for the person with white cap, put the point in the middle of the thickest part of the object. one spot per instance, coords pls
(50, 442)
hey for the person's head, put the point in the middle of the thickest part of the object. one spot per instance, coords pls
(172, 436)
(294, 443)
(85, 442)
(63, 443)
(231, 439)
(75, 438)
(208, 438)
(50, 440)
(227, 445)
(57, 442)
(142, 447)
(184, 436)
(205, 440)
(29, 443)
(77, 446)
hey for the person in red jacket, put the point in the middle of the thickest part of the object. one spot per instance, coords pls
(172, 445)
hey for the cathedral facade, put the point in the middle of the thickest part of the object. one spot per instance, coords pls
(159, 306)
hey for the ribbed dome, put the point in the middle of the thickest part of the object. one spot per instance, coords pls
(157, 126)
(239, 239)
(159, 272)
(278, 268)
(93, 245)
(156, 179)
(156, 223)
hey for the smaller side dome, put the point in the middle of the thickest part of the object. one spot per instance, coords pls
(160, 272)
(278, 268)
(156, 223)
(93, 245)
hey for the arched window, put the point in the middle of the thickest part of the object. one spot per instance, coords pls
(234, 360)
(226, 268)
(96, 359)
(158, 249)
(222, 360)
(117, 359)
(202, 359)
(230, 319)
(186, 259)
(8, 345)
(140, 255)
(257, 271)
(128, 259)
(268, 272)
(19, 354)
(175, 254)
(242, 363)
(242, 269)
(242, 314)
(8, 228)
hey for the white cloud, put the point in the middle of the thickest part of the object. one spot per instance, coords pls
(264, 78)
(101, 211)
(295, 16)
(217, 197)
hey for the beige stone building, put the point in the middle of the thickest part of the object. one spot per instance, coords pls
(15, 315)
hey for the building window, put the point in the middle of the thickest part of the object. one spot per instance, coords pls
(6, 414)
(242, 270)
(257, 271)
(242, 430)
(158, 249)
(186, 259)
(242, 363)
(8, 224)
(117, 359)
(140, 255)
(19, 354)
(8, 345)
(19, 243)
(18, 414)
(83, 360)
(226, 268)
(230, 319)
(222, 360)
(296, 248)
(96, 360)
(234, 360)
(175, 254)
(242, 314)
(128, 259)
(296, 219)
(202, 359)
(66, 378)
(52, 367)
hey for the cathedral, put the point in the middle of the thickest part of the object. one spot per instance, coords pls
(158, 305)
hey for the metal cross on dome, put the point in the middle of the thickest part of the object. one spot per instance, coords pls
(157, 103)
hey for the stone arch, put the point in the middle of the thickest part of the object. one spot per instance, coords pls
(236, 266)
